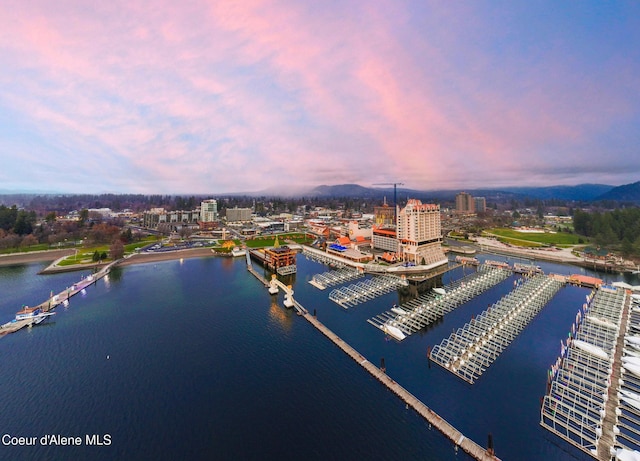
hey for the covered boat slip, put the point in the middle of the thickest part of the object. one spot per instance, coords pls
(469, 351)
(428, 308)
(366, 290)
(335, 277)
(587, 404)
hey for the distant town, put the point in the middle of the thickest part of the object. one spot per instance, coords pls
(413, 231)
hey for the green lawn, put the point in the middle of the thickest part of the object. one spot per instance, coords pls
(523, 238)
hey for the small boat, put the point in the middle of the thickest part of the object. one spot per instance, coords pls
(32, 313)
(590, 348)
(440, 291)
(631, 368)
(394, 332)
(624, 454)
(399, 311)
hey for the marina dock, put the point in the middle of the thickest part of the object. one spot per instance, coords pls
(366, 290)
(469, 351)
(592, 399)
(458, 439)
(426, 309)
(55, 300)
(335, 277)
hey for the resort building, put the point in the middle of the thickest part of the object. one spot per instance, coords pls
(465, 203)
(384, 238)
(420, 234)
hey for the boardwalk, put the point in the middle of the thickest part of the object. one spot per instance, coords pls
(469, 446)
(54, 301)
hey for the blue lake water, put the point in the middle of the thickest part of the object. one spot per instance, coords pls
(194, 359)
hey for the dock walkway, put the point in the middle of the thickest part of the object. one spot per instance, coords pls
(468, 445)
(54, 301)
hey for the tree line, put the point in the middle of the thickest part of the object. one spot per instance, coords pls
(617, 229)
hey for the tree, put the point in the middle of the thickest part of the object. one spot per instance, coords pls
(29, 240)
(116, 250)
(84, 215)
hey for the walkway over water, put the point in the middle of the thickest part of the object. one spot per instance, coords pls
(469, 446)
(587, 404)
(424, 310)
(55, 300)
(469, 351)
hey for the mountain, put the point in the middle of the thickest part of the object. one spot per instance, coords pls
(581, 192)
(625, 193)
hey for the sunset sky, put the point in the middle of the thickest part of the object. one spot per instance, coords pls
(211, 96)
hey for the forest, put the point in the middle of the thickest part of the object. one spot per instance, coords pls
(618, 229)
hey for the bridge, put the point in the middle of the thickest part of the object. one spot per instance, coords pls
(274, 288)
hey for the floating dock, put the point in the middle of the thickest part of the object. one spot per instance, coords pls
(426, 309)
(335, 277)
(469, 351)
(61, 298)
(587, 404)
(366, 290)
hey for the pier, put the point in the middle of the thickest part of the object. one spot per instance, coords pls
(458, 439)
(55, 300)
(469, 351)
(587, 404)
(255, 273)
(426, 309)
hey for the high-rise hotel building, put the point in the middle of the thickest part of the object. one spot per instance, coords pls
(420, 234)
(208, 214)
(464, 203)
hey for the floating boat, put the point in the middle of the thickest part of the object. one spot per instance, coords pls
(590, 348)
(624, 454)
(394, 332)
(601, 322)
(635, 403)
(632, 360)
(32, 313)
(399, 311)
(631, 368)
(440, 291)
(633, 340)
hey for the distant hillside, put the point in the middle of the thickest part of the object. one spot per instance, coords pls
(626, 193)
(581, 192)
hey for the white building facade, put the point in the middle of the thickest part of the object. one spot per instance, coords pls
(420, 233)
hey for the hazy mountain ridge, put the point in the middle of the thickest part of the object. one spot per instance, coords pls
(624, 193)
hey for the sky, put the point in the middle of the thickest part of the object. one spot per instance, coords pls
(198, 97)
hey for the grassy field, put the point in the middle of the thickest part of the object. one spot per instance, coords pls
(535, 239)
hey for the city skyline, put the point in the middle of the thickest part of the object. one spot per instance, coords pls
(213, 97)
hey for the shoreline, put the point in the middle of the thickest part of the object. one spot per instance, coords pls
(33, 256)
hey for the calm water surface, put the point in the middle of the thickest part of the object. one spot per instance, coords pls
(194, 360)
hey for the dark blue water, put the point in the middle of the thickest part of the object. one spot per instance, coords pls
(203, 364)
